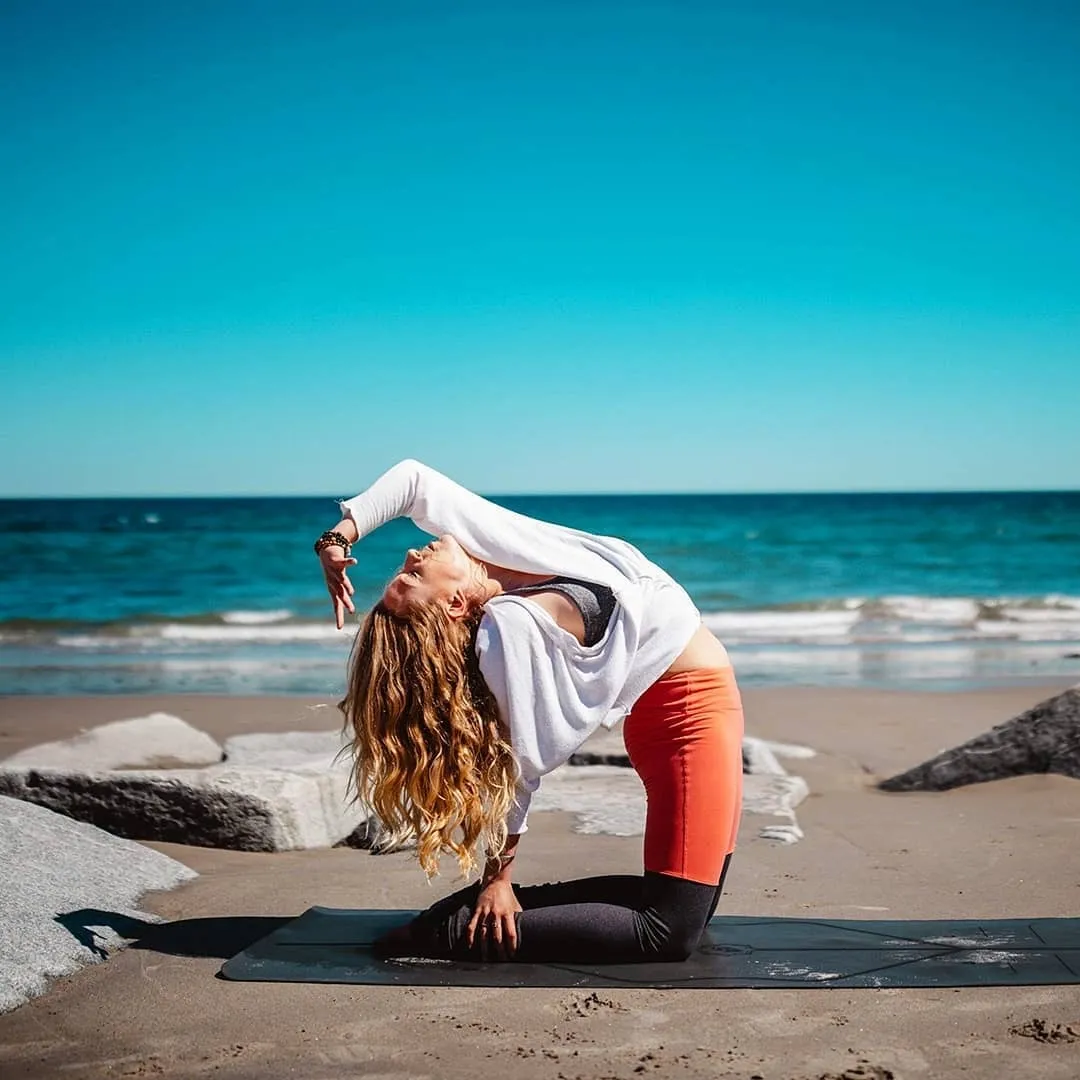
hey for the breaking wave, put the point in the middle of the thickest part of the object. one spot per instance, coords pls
(842, 621)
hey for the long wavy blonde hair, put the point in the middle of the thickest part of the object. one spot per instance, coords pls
(430, 758)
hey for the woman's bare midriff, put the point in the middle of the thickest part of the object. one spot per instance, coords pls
(703, 653)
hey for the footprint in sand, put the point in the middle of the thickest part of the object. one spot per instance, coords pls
(579, 1007)
(864, 1070)
(1044, 1032)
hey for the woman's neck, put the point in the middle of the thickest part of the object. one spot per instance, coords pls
(508, 580)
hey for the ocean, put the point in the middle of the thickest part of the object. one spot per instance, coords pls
(224, 596)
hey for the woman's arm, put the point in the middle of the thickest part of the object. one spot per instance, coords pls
(486, 530)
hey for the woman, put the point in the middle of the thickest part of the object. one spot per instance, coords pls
(493, 654)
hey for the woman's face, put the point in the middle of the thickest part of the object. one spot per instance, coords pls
(442, 573)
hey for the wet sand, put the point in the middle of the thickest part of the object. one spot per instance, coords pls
(1001, 850)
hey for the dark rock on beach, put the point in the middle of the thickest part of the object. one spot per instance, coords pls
(1043, 739)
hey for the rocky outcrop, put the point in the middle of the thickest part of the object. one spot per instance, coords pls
(240, 809)
(157, 741)
(1043, 739)
(275, 792)
(272, 793)
(52, 866)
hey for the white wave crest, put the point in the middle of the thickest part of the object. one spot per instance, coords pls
(891, 621)
(908, 620)
(1041, 614)
(1031, 630)
(93, 641)
(781, 626)
(146, 638)
(1057, 600)
(959, 610)
(255, 618)
(240, 634)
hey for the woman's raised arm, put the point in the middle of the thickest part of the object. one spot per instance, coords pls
(438, 505)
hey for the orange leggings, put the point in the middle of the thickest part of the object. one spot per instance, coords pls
(684, 738)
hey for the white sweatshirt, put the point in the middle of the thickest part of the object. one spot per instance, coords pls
(552, 692)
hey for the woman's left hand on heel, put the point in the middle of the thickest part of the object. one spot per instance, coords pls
(494, 923)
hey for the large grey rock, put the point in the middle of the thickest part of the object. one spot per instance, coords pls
(1043, 739)
(273, 793)
(245, 809)
(289, 750)
(157, 741)
(57, 874)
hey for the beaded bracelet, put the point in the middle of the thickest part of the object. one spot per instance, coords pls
(332, 538)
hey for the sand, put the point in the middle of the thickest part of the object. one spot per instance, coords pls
(1007, 849)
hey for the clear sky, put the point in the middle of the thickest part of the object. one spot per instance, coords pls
(268, 247)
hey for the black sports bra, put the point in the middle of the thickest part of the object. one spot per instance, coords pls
(595, 602)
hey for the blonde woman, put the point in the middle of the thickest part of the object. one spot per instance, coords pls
(494, 653)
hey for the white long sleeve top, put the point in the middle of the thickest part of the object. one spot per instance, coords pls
(552, 692)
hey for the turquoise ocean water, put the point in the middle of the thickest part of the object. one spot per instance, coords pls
(224, 595)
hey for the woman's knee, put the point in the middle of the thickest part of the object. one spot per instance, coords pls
(668, 936)
(675, 916)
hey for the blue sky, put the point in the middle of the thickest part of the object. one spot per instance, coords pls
(567, 246)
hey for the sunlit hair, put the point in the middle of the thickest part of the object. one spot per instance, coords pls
(431, 760)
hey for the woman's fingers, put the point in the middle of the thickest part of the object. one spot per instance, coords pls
(340, 589)
(510, 934)
(493, 931)
(337, 604)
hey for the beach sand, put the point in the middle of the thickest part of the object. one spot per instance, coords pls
(1007, 849)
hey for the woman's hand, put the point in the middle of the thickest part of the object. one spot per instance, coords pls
(335, 565)
(493, 924)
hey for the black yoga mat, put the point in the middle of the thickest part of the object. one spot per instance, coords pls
(333, 945)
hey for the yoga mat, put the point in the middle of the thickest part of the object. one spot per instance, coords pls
(332, 945)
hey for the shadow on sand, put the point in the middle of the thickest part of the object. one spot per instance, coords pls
(218, 937)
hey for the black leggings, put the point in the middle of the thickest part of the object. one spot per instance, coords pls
(614, 919)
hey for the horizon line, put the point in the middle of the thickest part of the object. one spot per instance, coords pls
(565, 494)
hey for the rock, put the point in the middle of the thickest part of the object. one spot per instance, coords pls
(237, 808)
(791, 750)
(157, 741)
(273, 793)
(758, 757)
(1043, 739)
(776, 796)
(788, 833)
(289, 750)
(603, 747)
(58, 874)
(606, 799)
(276, 792)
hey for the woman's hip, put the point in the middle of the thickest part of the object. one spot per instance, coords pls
(686, 707)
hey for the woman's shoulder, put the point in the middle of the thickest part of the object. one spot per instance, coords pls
(508, 618)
